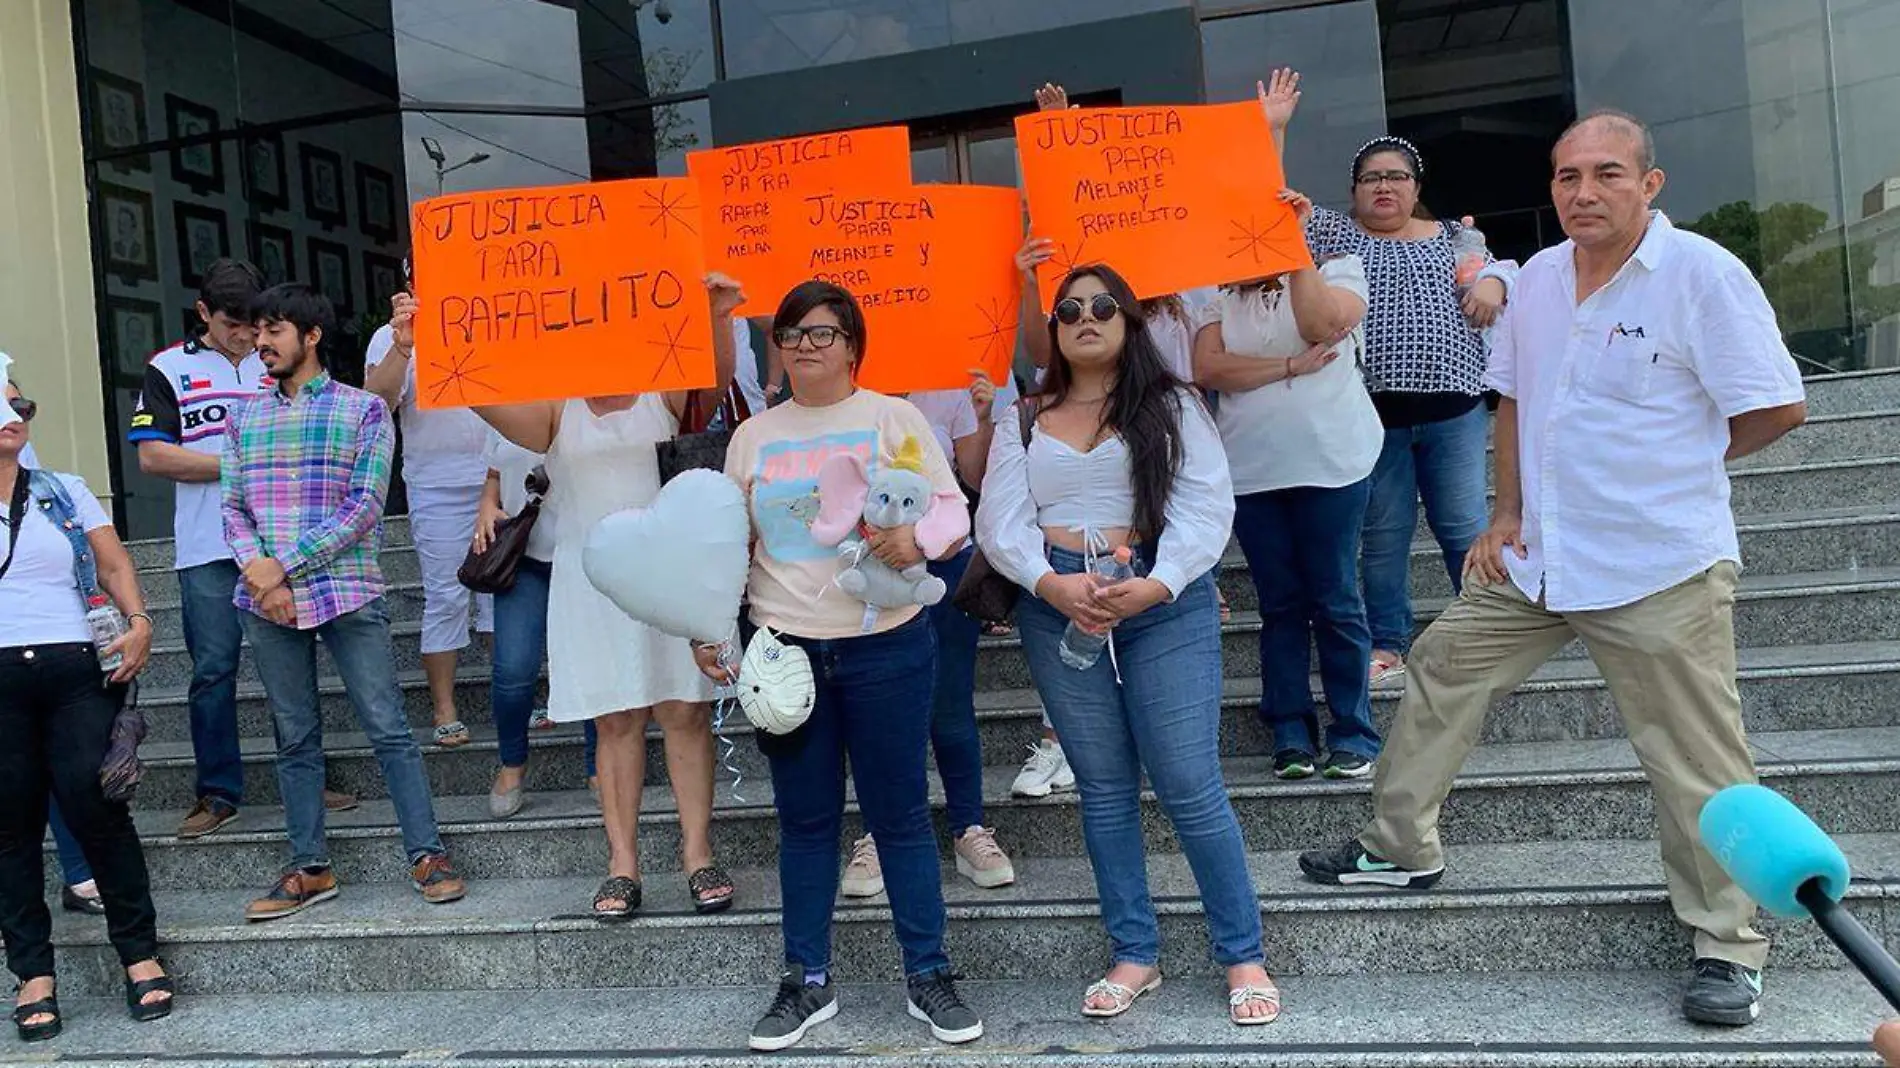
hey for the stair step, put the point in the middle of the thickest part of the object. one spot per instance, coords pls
(1525, 792)
(1808, 608)
(1820, 541)
(1531, 907)
(1783, 688)
(1580, 1019)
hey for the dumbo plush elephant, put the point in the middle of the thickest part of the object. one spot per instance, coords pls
(852, 503)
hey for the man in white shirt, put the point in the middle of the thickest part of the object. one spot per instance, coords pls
(1633, 361)
(444, 471)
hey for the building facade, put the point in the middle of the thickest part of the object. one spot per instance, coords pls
(147, 137)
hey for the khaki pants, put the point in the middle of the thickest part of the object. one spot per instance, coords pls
(1669, 660)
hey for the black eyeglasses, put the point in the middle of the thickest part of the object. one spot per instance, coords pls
(1394, 177)
(23, 408)
(821, 337)
(1101, 308)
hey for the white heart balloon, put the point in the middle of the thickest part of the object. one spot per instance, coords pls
(680, 564)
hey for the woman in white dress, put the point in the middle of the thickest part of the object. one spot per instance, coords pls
(603, 666)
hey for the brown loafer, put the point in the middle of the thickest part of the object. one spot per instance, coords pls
(296, 891)
(435, 879)
(338, 801)
(209, 814)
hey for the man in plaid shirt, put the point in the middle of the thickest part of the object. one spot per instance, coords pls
(305, 470)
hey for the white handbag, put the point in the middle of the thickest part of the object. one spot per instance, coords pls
(776, 689)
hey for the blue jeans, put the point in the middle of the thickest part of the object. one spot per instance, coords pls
(1163, 717)
(1302, 549)
(213, 636)
(72, 859)
(360, 647)
(953, 711)
(521, 642)
(873, 708)
(1443, 463)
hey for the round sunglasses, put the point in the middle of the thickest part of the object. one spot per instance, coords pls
(1101, 307)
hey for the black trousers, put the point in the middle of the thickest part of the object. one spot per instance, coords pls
(56, 716)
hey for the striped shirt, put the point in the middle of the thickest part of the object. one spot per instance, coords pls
(304, 480)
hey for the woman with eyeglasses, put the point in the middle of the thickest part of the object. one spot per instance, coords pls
(1121, 454)
(603, 666)
(1424, 365)
(874, 669)
(57, 705)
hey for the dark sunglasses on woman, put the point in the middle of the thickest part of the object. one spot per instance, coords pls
(23, 408)
(1101, 308)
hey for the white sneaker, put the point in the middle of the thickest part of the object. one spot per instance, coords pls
(1046, 770)
(863, 876)
(981, 860)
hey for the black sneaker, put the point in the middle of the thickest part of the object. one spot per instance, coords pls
(796, 1009)
(1347, 766)
(1349, 864)
(935, 1001)
(1722, 992)
(1293, 764)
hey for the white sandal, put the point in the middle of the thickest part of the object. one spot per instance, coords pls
(1253, 994)
(1122, 996)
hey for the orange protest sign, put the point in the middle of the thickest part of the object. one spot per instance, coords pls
(1173, 198)
(755, 200)
(585, 290)
(933, 268)
(958, 308)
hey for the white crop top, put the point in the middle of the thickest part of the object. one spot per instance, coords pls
(1050, 484)
(1055, 467)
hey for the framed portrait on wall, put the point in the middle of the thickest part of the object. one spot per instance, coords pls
(330, 274)
(274, 252)
(202, 240)
(376, 203)
(135, 331)
(118, 119)
(128, 239)
(266, 173)
(199, 167)
(382, 279)
(323, 200)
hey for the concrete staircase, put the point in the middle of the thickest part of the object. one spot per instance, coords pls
(1549, 942)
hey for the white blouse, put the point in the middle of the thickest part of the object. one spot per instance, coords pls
(1051, 484)
(1318, 429)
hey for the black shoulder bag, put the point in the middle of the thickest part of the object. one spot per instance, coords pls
(985, 595)
(696, 446)
(16, 514)
(494, 571)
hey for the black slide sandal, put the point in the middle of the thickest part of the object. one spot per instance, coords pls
(709, 878)
(39, 1032)
(617, 888)
(136, 991)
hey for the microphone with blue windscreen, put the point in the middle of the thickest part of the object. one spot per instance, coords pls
(1792, 868)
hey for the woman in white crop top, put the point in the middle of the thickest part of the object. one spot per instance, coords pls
(1302, 437)
(1120, 453)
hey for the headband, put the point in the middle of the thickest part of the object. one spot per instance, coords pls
(1388, 143)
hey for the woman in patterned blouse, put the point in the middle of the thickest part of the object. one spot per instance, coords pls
(1424, 360)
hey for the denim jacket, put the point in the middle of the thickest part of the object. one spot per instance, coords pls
(49, 495)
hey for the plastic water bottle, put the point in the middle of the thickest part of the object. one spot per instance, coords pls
(108, 626)
(1468, 252)
(1080, 649)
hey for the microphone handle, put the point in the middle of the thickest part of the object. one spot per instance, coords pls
(1861, 947)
